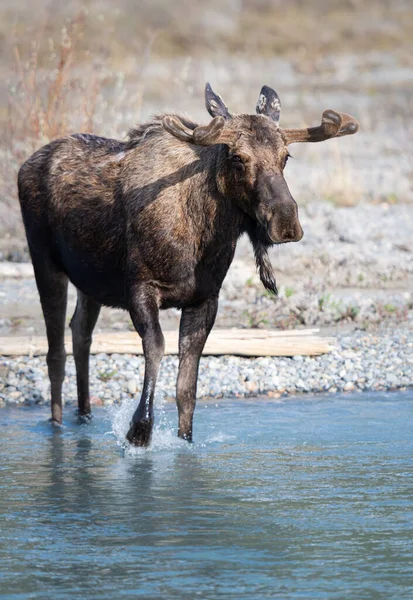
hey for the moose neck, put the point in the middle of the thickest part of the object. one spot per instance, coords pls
(216, 216)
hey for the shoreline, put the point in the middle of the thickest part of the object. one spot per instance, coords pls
(361, 362)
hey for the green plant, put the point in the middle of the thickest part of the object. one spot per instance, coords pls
(351, 312)
(255, 319)
(323, 301)
(106, 375)
(392, 198)
(269, 295)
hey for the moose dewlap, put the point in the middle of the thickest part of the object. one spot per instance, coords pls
(152, 223)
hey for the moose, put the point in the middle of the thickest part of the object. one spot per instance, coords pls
(152, 223)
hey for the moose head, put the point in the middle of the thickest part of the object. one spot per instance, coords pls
(251, 166)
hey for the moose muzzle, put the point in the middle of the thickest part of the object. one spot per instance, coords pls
(281, 212)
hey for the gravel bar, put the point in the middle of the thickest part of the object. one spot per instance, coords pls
(361, 361)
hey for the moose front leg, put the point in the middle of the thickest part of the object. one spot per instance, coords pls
(196, 323)
(144, 311)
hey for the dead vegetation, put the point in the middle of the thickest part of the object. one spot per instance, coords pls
(83, 66)
(303, 30)
(47, 97)
(40, 102)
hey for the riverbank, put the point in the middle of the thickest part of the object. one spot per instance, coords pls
(361, 361)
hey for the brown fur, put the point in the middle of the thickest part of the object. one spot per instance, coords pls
(152, 223)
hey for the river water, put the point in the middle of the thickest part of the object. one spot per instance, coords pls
(302, 498)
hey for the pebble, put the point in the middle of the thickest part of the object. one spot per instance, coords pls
(392, 379)
(349, 386)
(132, 386)
(361, 361)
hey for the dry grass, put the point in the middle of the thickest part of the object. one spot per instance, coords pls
(303, 30)
(48, 102)
(339, 185)
(42, 105)
(40, 102)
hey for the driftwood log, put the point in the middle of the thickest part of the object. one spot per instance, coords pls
(239, 342)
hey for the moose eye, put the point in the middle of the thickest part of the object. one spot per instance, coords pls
(286, 159)
(237, 161)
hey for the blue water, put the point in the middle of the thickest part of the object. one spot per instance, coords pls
(304, 498)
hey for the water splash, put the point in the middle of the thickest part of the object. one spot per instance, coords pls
(219, 438)
(164, 433)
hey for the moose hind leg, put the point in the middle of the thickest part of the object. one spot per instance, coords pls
(144, 311)
(82, 325)
(52, 285)
(196, 324)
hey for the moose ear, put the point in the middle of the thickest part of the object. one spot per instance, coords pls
(204, 135)
(269, 104)
(214, 104)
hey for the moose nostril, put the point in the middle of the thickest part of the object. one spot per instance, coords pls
(292, 235)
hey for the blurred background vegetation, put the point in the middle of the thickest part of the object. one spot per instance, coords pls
(100, 66)
(118, 30)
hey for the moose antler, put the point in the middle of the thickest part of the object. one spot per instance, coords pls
(333, 124)
(203, 135)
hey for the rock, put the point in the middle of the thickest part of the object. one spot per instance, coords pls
(350, 377)
(96, 401)
(132, 386)
(392, 379)
(251, 386)
(272, 394)
(349, 386)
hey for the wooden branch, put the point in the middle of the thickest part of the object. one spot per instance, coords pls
(239, 342)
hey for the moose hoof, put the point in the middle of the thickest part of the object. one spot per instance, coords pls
(186, 436)
(140, 433)
(83, 418)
